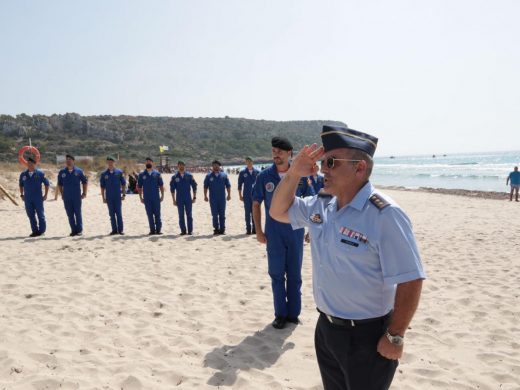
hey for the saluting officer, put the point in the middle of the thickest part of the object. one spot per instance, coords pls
(71, 181)
(284, 245)
(181, 185)
(150, 183)
(246, 180)
(367, 272)
(30, 182)
(217, 182)
(113, 192)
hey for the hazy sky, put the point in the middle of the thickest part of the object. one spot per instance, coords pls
(423, 76)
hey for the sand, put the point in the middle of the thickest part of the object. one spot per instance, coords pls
(140, 312)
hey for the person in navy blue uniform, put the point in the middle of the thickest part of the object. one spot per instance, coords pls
(367, 271)
(72, 184)
(113, 192)
(181, 186)
(217, 183)
(284, 245)
(31, 181)
(150, 184)
(246, 180)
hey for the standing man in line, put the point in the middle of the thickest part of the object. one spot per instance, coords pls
(181, 185)
(71, 182)
(30, 183)
(367, 272)
(246, 179)
(514, 178)
(217, 183)
(284, 245)
(113, 192)
(150, 183)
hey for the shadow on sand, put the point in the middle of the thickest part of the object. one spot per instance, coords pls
(259, 351)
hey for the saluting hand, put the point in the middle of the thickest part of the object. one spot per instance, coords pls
(389, 350)
(304, 164)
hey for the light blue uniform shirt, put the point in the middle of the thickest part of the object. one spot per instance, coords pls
(359, 253)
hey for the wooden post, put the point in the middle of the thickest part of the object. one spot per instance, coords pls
(3, 190)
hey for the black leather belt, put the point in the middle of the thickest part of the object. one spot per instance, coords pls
(352, 323)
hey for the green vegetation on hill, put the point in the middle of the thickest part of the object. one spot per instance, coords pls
(197, 140)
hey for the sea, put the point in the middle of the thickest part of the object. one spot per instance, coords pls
(467, 171)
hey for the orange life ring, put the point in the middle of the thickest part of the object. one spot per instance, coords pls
(31, 149)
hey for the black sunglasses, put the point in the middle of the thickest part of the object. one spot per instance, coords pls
(329, 162)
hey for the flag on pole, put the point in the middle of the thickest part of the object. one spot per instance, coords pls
(163, 148)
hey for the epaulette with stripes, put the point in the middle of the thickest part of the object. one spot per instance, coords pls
(378, 201)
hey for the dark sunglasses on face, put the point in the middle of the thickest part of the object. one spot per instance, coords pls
(329, 162)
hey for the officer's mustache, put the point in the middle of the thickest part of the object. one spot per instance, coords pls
(148, 166)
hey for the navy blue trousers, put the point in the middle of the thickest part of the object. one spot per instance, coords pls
(115, 212)
(153, 211)
(34, 208)
(73, 209)
(184, 207)
(284, 256)
(218, 212)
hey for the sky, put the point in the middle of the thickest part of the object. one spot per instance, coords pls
(439, 76)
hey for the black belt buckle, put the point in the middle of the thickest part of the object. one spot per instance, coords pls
(351, 323)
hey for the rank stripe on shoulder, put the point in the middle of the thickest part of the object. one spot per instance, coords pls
(378, 201)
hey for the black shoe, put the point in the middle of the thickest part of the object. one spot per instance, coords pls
(248, 232)
(253, 231)
(222, 231)
(190, 233)
(79, 234)
(121, 233)
(112, 233)
(279, 323)
(293, 320)
(216, 232)
(151, 233)
(158, 232)
(41, 234)
(33, 235)
(72, 234)
(183, 233)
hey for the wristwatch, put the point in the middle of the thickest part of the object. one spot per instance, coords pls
(396, 340)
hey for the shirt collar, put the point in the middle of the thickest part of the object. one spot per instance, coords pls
(362, 196)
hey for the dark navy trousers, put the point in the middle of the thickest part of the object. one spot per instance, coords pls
(34, 208)
(153, 211)
(115, 212)
(285, 255)
(73, 209)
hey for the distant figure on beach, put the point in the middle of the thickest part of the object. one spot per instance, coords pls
(132, 183)
(30, 182)
(72, 184)
(246, 180)
(367, 272)
(514, 179)
(284, 245)
(113, 192)
(181, 186)
(150, 184)
(217, 183)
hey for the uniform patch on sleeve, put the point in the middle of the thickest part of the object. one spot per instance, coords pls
(378, 201)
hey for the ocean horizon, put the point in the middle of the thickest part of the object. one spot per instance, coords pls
(483, 171)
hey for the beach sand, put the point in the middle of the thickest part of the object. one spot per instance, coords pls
(139, 312)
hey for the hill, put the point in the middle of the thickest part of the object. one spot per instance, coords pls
(198, 140)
